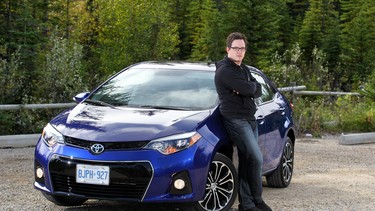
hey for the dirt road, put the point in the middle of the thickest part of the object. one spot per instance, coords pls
(327, 176)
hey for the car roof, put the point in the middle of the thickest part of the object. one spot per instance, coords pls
(176, 65)
(181, 65)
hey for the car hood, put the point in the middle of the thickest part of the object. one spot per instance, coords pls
(105, 124)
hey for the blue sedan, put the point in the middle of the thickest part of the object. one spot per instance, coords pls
(153, 133)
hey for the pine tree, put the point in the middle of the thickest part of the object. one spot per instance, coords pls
(358, 41)
(260, 22)
(204, 30)
(133, 31)
(21, 33)
(179, 13)
(320, 31)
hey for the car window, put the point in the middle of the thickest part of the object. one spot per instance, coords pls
(179, 89)
(267, 91)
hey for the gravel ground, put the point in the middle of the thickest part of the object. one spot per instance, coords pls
(327, 176)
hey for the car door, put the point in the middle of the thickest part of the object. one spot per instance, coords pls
(261, 128)
(270, 123)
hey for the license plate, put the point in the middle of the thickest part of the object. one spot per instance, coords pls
(90, 174)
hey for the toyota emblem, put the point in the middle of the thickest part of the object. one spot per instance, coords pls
(97, 148)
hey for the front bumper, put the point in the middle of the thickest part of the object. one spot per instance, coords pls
(135, 175)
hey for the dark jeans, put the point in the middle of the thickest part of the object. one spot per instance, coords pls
(244, 134)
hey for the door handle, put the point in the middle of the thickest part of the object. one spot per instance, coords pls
(282, 110)
(260, 119)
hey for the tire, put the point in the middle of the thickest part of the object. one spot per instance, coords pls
(222, 185)
(64, 201)
(282, 176)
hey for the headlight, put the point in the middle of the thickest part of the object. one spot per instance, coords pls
(175, 143)
(51, 136)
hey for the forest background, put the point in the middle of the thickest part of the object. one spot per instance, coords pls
(51, 50)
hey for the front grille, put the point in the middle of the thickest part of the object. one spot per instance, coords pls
(75, 142)
(128, 180)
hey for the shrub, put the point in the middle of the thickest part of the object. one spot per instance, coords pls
(355, 115)
(347, 114)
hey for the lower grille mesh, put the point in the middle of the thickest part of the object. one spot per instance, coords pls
(127, 180)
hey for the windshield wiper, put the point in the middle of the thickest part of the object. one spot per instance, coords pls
(97, 102)
(163, 107)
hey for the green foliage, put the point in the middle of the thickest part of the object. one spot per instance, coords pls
(134, 31)
(9, 84)
(358, 41)
(88, 28)
(311, 32)
(319, 79)
(321, 115)
(308, 116)
(320, 30)
(11, 79)
(288, 69)
(19, 121)
(8, 125)
(204, 29)
(21, 32)
(285, 69)
(355, 115)
(368, 89)
(25, 121)
(261, 21)
(60, 77)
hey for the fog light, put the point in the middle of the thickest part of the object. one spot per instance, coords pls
(39, 172)
(179, 184)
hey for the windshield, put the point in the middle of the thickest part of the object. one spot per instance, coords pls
(160, 88)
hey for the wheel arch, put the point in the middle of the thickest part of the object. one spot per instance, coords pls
(291, 134)
(226, 150)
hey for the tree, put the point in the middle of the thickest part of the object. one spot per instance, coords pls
(10, 78)
(319, 32)
(204, 31)
(20, 32)
(88, 27)
(178, 10)
(133, 31)
(357, 41)
(311, 32)
(61, 76)
(297, 8)
(260, 22)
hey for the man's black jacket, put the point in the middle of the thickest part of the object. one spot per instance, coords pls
(237, 89)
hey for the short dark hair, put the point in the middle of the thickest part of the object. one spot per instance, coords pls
(235, 36)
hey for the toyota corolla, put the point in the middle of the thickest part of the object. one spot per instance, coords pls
(153, 133)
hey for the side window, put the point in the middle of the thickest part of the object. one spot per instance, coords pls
(267, 91)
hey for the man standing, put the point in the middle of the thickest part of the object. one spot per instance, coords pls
(237, 89)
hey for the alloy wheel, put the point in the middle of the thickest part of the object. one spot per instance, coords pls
(288, 162)
(221, 186)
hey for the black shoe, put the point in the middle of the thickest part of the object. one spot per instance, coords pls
(263, 206)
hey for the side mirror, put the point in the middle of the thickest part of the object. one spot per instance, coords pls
(81, 96)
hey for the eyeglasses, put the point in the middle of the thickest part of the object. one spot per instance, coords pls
(238, 49)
